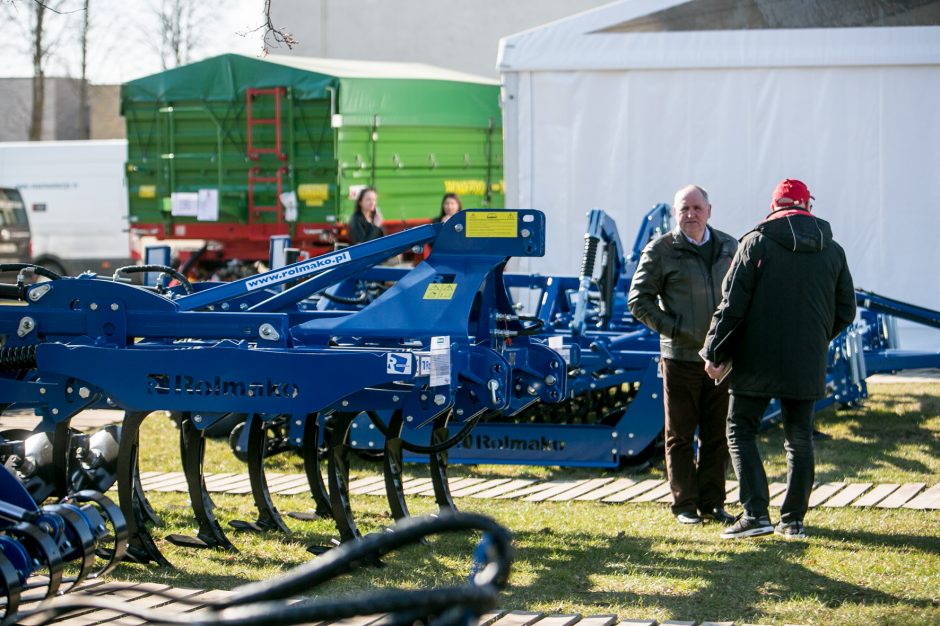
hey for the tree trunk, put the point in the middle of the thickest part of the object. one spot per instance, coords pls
(39, 78)
(84, 108)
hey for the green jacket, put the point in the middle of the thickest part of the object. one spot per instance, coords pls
(675, 291)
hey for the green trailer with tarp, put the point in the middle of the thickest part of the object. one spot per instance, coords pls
(232, 150)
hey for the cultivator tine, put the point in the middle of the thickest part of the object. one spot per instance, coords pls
(80, 543)
(44, 548)
(193, 451)
(61, 457)
(11, 589)
(438, 465)
(393, 463)
(112, 515)
(337, 433)
(312, 466)
(268, 517)
(143, 503)
(134, 506)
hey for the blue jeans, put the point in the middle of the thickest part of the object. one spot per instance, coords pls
(744, 417)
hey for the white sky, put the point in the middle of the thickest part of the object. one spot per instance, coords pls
(123, 44)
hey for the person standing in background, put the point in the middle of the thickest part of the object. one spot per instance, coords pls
(366, 221)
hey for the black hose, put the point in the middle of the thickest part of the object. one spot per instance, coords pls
(364, 299)
(163, 269)
(256, 603)
(534, 329)
(447, 444)
(42, 271)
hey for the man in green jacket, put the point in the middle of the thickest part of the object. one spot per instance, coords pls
(675, 290)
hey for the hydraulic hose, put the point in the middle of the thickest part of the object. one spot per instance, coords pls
(447, 444)
(42, 271)
(163, 269)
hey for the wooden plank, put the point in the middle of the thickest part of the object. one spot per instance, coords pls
(152, 478)
(598, 620)
(677, 622)
(359, 620)
(355, 486)
(823, 493)
(631, 492)
(528, 491)
(904, 493)
(174, 483)
(94, 616)
(556, 489)
(585, 487)
(497, 491)
(379, 488)
(465, 491)
(876, 495)
(488, 618)
(777, 492)
(717, 624)
(845, 497)
(637, 622)
(212, 479)
(226, 483)
(185, 600)
(930, 499)
(618, 485)
(452, 484)
(246, 488)
(417, 486)
(558, 620)
(293, 491)
(656, 493)
(517, 618)
(290, 482)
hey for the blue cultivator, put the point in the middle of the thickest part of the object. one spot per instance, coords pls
(37, 543)
(441, 347)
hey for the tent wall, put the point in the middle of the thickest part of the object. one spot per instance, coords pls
(866, 138)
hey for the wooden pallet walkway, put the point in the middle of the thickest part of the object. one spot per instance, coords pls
(195, 602)
(610, 490)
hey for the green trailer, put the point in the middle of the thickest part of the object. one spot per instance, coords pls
(233, 149)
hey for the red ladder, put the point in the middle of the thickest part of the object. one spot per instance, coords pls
(255, 210)
(254, 151)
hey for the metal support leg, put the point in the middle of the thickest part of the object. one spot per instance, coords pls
(438, 466)
(392, 462)
(193, 450)
(142, 547)
(268, 517)
(338, 471)
(312, 467)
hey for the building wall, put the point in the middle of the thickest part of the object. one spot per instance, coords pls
(61, 114)
(455, 34)
(106, 120)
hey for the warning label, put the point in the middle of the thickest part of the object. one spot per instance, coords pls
(440, 291)
(493, 224)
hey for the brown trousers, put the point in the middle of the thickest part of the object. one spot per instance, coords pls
(691, 399)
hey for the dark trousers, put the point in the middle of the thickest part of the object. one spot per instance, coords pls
(691, 399)
(743, 423)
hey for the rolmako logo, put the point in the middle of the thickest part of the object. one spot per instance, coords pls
(217, 387)
(298, 270)
(485, 442)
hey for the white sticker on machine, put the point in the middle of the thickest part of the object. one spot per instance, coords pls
(440, 361)
(557, 343)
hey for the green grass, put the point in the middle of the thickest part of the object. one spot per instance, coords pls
(858, 566)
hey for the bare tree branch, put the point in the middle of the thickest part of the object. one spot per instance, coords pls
(272, 37)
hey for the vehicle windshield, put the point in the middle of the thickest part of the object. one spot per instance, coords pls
(12, 210)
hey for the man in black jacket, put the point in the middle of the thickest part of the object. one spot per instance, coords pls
(788, 294)
(675, 290)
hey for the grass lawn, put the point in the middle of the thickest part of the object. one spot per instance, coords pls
(868, 566)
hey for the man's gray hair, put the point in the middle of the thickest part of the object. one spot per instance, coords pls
(687, 189)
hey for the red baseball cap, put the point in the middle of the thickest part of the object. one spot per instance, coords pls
(790, 192)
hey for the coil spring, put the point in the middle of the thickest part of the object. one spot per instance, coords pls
(17, 358)
(590, 255)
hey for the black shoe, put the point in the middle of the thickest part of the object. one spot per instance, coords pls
(746, 526)
(688, 517)
(718, 514)
(790, 530)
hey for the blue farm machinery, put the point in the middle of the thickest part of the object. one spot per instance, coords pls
(335, 355)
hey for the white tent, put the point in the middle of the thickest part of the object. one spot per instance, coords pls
(593, 117)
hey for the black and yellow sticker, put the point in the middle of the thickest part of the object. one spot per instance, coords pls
(493, 224)
(440, 291)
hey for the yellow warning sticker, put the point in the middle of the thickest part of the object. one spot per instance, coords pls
(440, 291)
(492, 224)
(313, 195)
(147, 191)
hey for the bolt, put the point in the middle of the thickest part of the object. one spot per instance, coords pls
(459, 412)
(114, 306)
(531, 390)
(68, 390)
(55, 411)
(355, 443)
(409, 418)
(440, 399)
(266, 331)
(355, 425)
(459, 228)
(613, 451)
(424, 396)
(197, 419)
(345, 402)
(613, 435)
(243, 306)
(93, 306)
(394, 398)
(37, 292)
(549, 380)
(298, 440)
(525, 232)
(84, 392)
(655, 395)
(631, 435)
(371, 426)
(593, 386)
(609, 361)
(298, 423)
(225, 306)
(251, 393)
(371, 444)
(42, 391)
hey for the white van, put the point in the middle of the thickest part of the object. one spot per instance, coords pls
(76, 202)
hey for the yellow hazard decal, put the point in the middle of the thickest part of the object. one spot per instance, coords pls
(147, 191)
(440, 291)
(313, 194)
(493, 224)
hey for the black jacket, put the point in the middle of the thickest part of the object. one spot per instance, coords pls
(361, 229)
(675, 290)
(788, 294)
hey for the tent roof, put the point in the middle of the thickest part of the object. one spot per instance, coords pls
(399, 93)
(620, 36)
